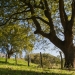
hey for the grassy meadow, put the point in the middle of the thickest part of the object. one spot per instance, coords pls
(10, 68)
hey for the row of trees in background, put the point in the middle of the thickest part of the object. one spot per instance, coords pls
(48, 60)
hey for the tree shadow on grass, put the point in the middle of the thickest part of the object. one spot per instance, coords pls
(9, 71)
(3, 62)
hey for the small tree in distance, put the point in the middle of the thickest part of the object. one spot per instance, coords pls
(13, 38)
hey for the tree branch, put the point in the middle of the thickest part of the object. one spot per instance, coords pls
(21, 18)
(43, 20)
(12, 16)
(63, 15)
(56, 41)
(38, 6)
(73, 12)
(37, 24)
(48, 15)
(34, 18)
(52, 35)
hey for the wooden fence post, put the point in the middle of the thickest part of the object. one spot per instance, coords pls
(16, 59)
(6, 58)
(61, 59)
(41, 60)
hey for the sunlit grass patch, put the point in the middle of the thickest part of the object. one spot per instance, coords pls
(22, 68)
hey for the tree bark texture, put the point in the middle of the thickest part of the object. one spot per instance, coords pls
(70, 58)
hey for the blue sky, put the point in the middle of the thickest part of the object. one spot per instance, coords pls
(52, 52)
(45, 46)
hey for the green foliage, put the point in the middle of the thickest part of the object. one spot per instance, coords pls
(48, 60)
(15, 38)
(19, 10)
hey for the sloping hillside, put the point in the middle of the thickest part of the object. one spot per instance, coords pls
(10, 68)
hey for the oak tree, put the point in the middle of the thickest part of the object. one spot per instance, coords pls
(53, 19)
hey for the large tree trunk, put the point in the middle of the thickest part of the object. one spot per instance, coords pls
(69, 58)
(69, 50)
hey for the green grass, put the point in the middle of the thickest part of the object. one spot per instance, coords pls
(10, 68)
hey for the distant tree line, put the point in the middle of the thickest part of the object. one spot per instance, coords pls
(48, 60)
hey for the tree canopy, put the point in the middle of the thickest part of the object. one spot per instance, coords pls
(15, 38)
